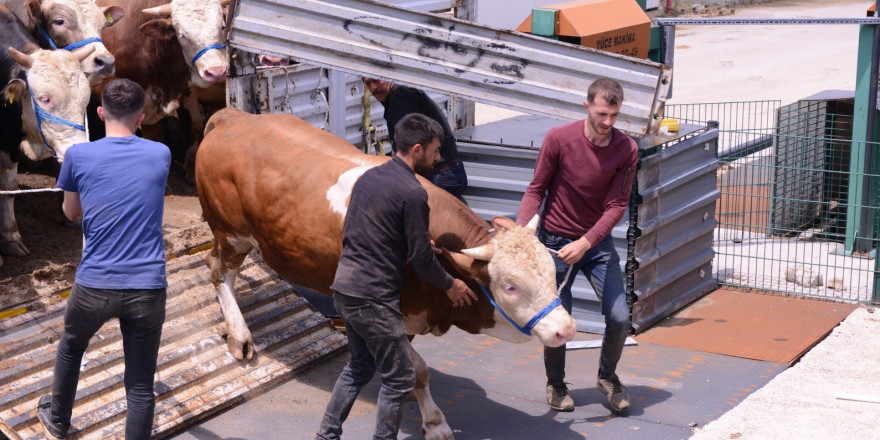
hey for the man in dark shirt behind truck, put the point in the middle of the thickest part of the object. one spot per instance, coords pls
(386, 226)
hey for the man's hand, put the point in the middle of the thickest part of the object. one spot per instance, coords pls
(434, 248)
(574, 251)
(460, 294)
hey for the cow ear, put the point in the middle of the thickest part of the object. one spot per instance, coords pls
(484, 252)
(112, 14)
(469, 267)
(14, 90)
(34, 11)
(160, 29)
(503, 223)
(23, 59)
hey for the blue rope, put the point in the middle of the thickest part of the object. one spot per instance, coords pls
(72, 46)
(527, 330)
(43, 115)
(205, 49)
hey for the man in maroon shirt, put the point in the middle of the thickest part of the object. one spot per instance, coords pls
(586, 169)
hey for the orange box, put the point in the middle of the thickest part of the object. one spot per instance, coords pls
(619, 26)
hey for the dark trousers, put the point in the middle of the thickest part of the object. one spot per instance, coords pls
(377, 341)
(601, 265)
(141, 314)
(453, 180)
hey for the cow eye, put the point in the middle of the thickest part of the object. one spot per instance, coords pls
(58, 22)
(45, 100)
(510, 288)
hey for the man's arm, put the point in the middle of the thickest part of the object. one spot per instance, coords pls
(71, 206)
(545, 168)
(421, 256)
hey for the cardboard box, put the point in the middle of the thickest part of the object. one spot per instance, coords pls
(619, 26)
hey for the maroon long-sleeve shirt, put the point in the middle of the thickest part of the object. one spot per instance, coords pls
(587, 187)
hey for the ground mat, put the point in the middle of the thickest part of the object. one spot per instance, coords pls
(750, 325)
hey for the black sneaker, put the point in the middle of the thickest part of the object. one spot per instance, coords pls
(618, 396)
(44, 413)
(559, 399)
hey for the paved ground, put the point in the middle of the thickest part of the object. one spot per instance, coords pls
(490, 389)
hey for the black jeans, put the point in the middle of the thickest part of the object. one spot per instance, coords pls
(141, 314)
(377, 341)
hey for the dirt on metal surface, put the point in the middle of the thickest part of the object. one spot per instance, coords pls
(750, 325)
(196, 377)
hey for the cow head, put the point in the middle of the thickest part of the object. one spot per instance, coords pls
(72, 22)
(201, 29)
(60, 88)
(521, 276)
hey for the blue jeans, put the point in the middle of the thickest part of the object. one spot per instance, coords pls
(377, 341)
(453, 180)
(601, 265)
(141, 314)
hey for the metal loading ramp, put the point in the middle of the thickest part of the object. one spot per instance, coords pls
(196, 376)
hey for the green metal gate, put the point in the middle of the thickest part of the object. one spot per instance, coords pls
(785, 222)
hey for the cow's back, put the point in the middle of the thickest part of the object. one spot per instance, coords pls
(266, 178)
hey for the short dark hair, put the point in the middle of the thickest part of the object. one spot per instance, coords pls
(122, 97)
(416, 128)
(608, 89)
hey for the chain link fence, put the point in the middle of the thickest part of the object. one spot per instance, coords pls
(799, 198)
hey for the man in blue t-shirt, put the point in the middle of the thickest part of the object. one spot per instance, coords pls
(117, 186)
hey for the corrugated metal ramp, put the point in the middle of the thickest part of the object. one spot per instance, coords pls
(196, 377)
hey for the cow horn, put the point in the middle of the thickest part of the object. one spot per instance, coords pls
(159, 11)
(84, 52)
(23, 59)
(484, 252)
(533, 223)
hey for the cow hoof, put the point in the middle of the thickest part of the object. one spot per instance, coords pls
(241, 350)
(437, 432)
(14, 249)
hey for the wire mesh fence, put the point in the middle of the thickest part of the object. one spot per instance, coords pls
(799, 199)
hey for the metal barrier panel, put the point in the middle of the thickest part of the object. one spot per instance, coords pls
(327, 99)
(451, 56)
(672, 221)
(665, 248)
(783, 210)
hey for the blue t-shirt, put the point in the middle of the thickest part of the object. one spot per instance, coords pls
(121, 185)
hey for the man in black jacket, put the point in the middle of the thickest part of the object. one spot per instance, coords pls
(400, 101)
(386, 226)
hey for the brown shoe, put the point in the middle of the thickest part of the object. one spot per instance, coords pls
(618, 396)
(559, 399)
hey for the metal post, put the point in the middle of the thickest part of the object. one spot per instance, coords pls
(336, 94)
(462, 112)
(859, 194)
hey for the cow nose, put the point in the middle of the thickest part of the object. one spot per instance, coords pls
(565, 335)
(105, 64)
(216, 74)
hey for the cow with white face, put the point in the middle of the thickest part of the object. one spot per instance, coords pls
(71, 24)
(43, 107)
(166, 47)
(275, 184)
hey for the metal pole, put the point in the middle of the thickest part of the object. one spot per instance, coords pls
(865, 243)
(867, 194)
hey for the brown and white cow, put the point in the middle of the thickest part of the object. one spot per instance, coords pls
(157, 45)
(29, 77)
(276, 184)
(68, 22)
